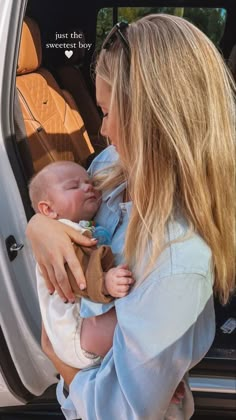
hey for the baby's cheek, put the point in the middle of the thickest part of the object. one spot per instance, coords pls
(98, 194)
(79, 197)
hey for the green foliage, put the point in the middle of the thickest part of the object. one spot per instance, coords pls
(179, 11)
(210, 20)
(104, 24)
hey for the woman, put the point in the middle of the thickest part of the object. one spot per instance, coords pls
(168, 109)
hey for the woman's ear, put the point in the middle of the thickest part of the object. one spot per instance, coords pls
(45, 208)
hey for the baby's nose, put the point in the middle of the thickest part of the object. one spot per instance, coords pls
(87, 186)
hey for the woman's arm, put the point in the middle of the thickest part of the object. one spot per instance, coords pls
(68, 372)
(52, 246)
(164, 328)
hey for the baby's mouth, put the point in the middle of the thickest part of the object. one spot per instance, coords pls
(92, 197)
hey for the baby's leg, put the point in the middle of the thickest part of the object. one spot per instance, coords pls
(97, 332)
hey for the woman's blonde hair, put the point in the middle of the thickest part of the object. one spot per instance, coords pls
(175, 108)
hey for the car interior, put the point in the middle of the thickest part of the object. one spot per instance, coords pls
(53, 124)
(55, 112)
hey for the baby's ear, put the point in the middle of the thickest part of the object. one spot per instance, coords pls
(45, 208)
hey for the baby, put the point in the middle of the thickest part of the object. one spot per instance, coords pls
(63, 191)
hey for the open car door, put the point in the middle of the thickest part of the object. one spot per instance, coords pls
(25, 370)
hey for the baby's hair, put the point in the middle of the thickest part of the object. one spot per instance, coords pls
(37, 188)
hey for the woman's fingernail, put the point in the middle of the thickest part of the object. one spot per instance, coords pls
(94, 239)
(66, 301)
(72, 301)
(51, 293)
(82, 286)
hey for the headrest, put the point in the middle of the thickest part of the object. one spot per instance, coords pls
(30, 55)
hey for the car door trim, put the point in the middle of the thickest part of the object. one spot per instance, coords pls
(213, 384)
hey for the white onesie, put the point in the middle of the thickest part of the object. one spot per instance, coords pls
(62, 321)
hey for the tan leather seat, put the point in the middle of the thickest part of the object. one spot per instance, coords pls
(69, 75)
(72, 79)
(54, 127)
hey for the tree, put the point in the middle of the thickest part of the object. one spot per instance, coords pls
(210, 20)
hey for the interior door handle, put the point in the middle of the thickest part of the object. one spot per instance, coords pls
(16, 247)
(12, 247)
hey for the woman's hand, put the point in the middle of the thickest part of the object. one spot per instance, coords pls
(67, 372)
(52, 246)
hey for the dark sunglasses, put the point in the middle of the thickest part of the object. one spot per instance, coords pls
(117, 32)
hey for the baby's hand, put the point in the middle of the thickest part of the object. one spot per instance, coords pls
(117, 281)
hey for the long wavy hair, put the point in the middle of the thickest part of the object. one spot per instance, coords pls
(175, 107)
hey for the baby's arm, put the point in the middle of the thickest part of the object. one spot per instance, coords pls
(117, 281)
(96, 335)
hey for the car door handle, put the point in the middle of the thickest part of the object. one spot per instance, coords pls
(12, 247)
(16, 247)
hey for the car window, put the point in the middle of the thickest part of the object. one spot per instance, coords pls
(210, 20)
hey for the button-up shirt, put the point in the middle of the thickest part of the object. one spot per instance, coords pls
(165, 325)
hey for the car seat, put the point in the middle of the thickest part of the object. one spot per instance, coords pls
(54, 127)
(68, 72)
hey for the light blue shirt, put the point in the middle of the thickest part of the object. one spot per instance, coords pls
(165, 325)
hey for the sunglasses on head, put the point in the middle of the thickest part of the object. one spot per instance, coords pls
(117, 32)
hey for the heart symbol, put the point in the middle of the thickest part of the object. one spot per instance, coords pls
(69, 53)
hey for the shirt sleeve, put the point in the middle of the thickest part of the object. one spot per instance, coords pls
(165, 326)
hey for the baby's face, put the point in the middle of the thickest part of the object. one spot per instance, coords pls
(72, 194)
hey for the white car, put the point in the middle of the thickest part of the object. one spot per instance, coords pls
(70, 32)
